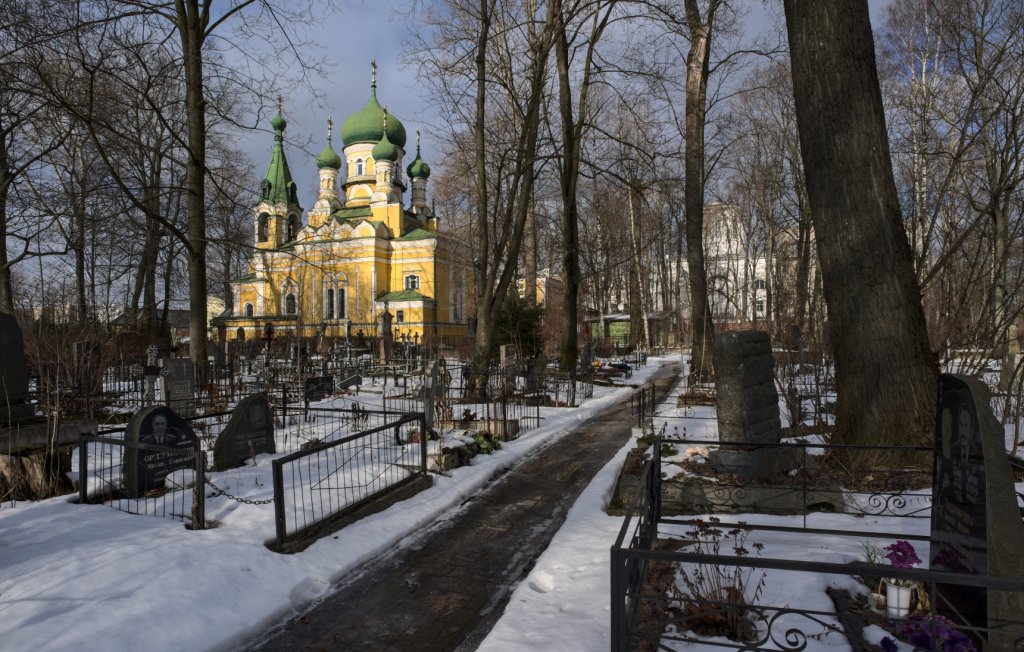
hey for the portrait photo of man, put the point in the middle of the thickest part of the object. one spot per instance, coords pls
(160, 432)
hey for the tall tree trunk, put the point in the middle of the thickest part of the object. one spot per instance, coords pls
(697, 70)
(6, 178)
(192, 23)
(568, 180)
(885, 372)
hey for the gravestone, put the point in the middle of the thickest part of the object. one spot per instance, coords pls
(318, 388)
(748, 404)
(14, 406)
(976, 524)
(177, 390)
(248, 433)
(170, 442)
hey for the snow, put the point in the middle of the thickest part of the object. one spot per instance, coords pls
(92, 578)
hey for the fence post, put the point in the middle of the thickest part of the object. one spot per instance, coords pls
(83, 470)
(617, 601)
(199, 493)
(424, 438)
(277, 472)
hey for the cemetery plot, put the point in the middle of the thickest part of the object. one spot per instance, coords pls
(744, 579)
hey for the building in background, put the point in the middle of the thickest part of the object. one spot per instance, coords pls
(364, 262)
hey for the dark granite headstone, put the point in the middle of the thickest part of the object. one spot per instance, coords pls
(178, 386)
(14, 405)
(248, 433)
(160, 426)
(748, 403)
(976, 523)
(319, 387)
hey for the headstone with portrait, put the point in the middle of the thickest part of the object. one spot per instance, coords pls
(158, 442)
(177, 389)
(248, 433)
(976, 523)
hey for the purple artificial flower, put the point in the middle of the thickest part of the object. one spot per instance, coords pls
(918, 631)
(902, 555)
(889, 645)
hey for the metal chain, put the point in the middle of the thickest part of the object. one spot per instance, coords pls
(247, 501)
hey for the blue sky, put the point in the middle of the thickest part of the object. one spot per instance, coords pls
(375, 29)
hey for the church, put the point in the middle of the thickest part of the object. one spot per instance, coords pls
(363, 260)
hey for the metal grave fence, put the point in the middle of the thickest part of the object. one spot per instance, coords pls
(341, 472)
(673, 615)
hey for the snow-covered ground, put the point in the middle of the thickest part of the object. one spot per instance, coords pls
(92, 578)
(87, 577)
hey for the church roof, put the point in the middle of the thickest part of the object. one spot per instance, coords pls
(277, 186)
(343, 214)
(417, 234)
(367, 125)
(404, 295)
(328, 158)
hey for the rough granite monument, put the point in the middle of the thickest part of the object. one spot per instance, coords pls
(249, 432)
(748, 404)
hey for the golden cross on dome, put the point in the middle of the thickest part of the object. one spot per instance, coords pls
(373, 74)
(280, 102)
(330, 126)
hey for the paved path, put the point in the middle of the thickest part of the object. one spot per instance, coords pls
(445, 590)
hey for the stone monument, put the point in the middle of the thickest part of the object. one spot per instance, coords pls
(178, 389)
(976, 523)
(169, 443)
(248, 433)
(748, 404)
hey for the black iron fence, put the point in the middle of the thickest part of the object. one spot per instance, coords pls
(714, 592)
(104, 478)
(331, 477)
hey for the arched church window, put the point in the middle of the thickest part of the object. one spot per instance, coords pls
(262, 227)
(293, 227)
(329, 304)
(359, 167)
(240, 334)
(412, 282)
(248, 310)
(290, 307)
(342, 312)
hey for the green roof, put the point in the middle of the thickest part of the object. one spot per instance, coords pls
(418, 169)
(277, 186)
(328, 158)
(404, 295)
(343, 214)
(417, 234)
(367, 125)
(246, 278)
(384, 150)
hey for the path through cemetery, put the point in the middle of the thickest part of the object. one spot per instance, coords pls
(446, 589)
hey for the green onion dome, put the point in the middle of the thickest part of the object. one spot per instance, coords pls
(328, 158)
(384, 150)
(418, 169)
(367, 126)
(278, 122)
